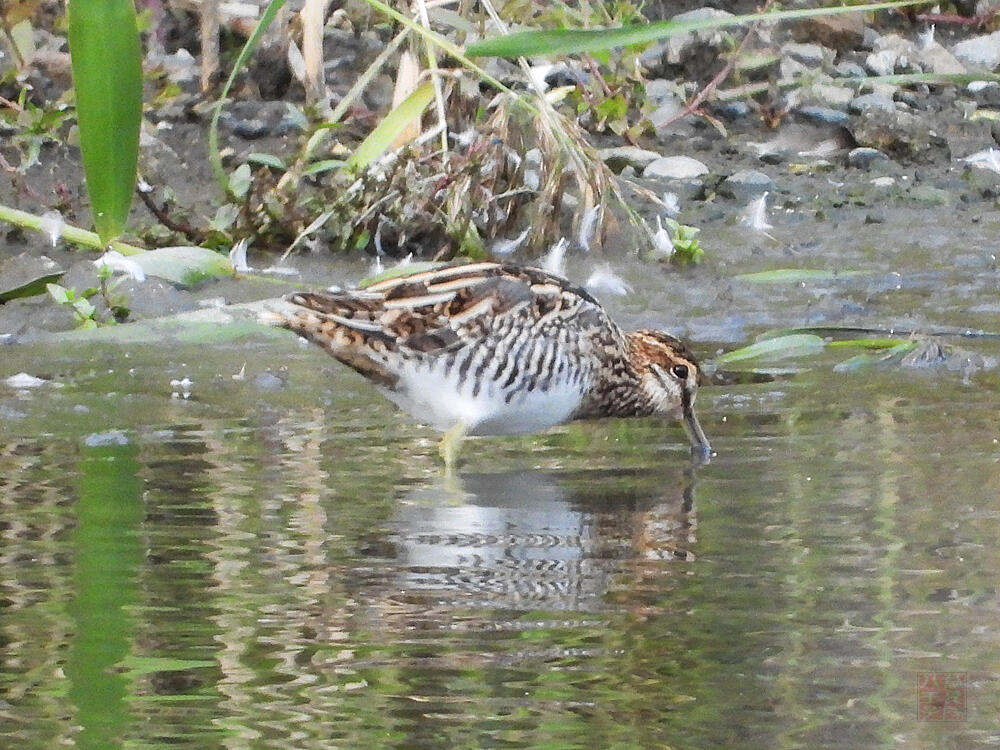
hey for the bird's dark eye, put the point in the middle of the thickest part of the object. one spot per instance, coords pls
(680, 372)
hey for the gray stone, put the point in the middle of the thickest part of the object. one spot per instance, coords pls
(936, 59)
(928, 195)
(267, 381)
(746, 184)
(899, 134)
(808, 54)
(660, 91)
(848, 69)
(980, 52)
(836, 97)
(864, 158)
(105, 439)
(26, 275)
(627, 156)
(865, 102)
(675, 168)
(677, 46)
(823, 115)
(732, 110)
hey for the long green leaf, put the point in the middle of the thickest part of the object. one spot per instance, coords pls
(379, 140)
(184, 266)
(569, 41)
(796, 345)
(795, 276)
(107, 76)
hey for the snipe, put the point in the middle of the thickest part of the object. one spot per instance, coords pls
(498, 349)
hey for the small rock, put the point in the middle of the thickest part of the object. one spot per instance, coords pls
(848, 69)
(835, 97)
(864, 158)
(843, 32)
(936, 59)
(860, 104)
(882, 62)
(746, 184)
(823, 115)
(675, 168)
(928, 195)
(659, 91)
(876, 216)
(103, 439)
(807, 54)
(732, 110)
(899, 134)
(981, 52)
(627, 156)
(268, 381)
(24, 380)
(677, 46)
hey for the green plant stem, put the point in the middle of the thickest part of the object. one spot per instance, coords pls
(291, 177)
(69, 233)
(214, 155)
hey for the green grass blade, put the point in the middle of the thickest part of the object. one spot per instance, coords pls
(379, 140)
(570, 41)
(107, 77)
(796, 345)
(214, 156)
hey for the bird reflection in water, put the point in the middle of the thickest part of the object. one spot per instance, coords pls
(536, 540)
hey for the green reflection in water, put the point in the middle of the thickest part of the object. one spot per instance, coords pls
(107, 553)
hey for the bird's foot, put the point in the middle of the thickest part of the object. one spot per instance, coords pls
(449, 447)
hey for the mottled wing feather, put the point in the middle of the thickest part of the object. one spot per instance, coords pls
(430, 313)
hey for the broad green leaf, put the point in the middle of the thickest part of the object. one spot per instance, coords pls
(397, 272)
(324, 165)
(795, 276)
(59, 293)
(268, 160)
(26, 275)
(184, 266)
(239, 181)
(569, 41)
(866, 360)
(107, 77)
(796, 345)
(392, 124)
(883, 343)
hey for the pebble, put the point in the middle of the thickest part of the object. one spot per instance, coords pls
(104, 439)
(809, 54)
(823, 115)
(627, 156)
(860, 104)
(731, 110)
(982, 52)
(675, 168)
(746, 184)
(864, 158)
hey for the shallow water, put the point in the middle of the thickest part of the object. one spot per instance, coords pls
(272, 558)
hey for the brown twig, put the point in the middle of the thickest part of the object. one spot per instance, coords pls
(979, 20)
(193, 235)
(11, 105)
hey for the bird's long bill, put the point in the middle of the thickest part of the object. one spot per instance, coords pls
(699, 442)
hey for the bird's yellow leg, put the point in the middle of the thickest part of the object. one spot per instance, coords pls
(450, 444)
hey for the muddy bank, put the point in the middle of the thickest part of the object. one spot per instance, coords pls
(806, 156)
